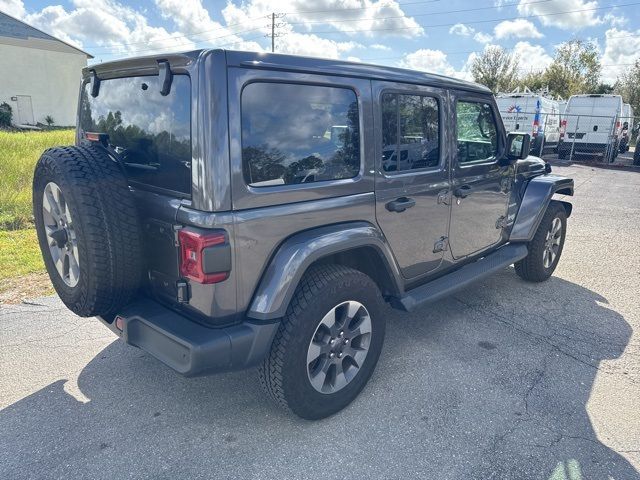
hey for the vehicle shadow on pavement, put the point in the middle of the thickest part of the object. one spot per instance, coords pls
(490, 384)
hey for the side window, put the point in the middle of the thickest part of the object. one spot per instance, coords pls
(294, 134)
(477, 132)
(410, 132)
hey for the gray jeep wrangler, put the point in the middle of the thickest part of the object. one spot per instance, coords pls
(224, 210)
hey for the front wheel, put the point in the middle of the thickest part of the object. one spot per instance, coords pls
(546, 247)
(328, 343)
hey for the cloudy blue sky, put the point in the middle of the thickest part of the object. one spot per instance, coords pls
(439, 36)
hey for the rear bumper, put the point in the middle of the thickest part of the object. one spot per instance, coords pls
(189, 347)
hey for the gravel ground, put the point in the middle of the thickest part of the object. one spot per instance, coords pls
(505, 380)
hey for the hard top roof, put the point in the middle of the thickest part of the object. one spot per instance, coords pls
(306, 64)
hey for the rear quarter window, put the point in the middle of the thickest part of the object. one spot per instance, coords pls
(150, 132)
(294, 134)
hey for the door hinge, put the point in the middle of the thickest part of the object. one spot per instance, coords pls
(441, 245)
(443, 197)
(182, 289)
(176, 230)
(501, 222)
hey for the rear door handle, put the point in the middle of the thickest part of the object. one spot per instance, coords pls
(462, 192)
(400, 204)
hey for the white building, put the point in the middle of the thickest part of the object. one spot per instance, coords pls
(39, 74)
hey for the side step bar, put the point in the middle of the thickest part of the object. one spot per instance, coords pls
(459, 279)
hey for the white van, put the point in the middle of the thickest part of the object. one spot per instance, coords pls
(562, 106)
(531, 113)
(592, 125)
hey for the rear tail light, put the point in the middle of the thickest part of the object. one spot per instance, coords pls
(204, 257)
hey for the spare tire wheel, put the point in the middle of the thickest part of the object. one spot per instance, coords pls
(88, 229)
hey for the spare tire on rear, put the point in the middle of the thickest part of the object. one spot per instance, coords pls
(88, 229)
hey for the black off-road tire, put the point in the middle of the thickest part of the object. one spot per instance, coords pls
(283, 373)
(531, 268)
(106, 226)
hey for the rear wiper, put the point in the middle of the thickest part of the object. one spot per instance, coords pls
(166, 77)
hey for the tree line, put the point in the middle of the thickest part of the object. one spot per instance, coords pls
(576, 68)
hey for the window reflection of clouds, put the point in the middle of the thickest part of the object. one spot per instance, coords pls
(151, 132)
(146, 109)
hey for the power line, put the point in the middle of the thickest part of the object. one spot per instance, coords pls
(447, 12)
(187, 35)
(115, 48)
(473, 22)
(403, 4)
(468, 52)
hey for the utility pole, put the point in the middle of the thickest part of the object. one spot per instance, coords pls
(273, 32)
(275, 25)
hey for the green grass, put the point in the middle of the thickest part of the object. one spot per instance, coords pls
(19, 152)
(19, 253)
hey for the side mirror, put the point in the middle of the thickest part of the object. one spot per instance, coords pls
(518, 145)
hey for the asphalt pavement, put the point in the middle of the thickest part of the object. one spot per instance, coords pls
(504, 380)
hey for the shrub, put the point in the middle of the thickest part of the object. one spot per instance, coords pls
(5, 114)
(49, 120)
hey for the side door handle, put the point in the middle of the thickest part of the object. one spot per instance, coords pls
(400, 204)
(463, 191)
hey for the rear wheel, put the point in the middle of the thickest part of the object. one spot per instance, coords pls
(546, 247)
(328, 343)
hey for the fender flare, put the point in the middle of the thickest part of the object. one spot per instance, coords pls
(535, 200)
(297, 253)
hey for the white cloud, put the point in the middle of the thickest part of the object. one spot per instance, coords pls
(191, 17)
(482, 37)
(621, 48)
(532, 58)
(426, 60)
(462, 30)
(582, 14)
(374, 18)
(312, 45)
(15, 8)
(614, 20)
(107, 26)
(379, 46)
(519, 28)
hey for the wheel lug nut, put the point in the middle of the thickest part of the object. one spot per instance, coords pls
(346, 341)
(331, 355)
(340, 355)
(342, 334)
(332, 341)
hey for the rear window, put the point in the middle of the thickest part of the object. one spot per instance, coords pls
(293, 134)
(151, 132)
